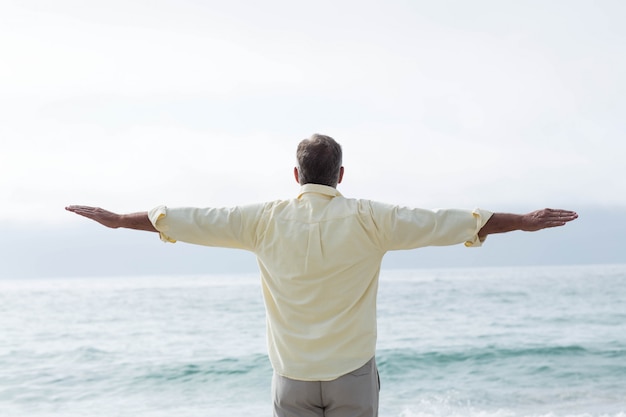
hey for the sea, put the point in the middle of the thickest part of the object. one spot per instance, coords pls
(543, 341)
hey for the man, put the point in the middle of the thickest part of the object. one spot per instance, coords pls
(319, 256)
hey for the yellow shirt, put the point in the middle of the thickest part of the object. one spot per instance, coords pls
(319, 256)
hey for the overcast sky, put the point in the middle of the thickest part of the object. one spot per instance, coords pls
(129, 104)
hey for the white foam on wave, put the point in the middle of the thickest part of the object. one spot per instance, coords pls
(471, 412)
(435, 406)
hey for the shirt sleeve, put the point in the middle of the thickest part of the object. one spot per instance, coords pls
(481, 217)
(155, 215)
(410, 228)
(229, 227)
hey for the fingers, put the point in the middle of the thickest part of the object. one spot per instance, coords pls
(86, 211)
(554, 218)
(563, 216)
(547, 218)
(561, 212)
(77, 208)
(95, 213)
(104, 217)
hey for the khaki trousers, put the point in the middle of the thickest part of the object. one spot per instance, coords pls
(352, 395)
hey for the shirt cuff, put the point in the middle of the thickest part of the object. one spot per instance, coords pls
(481, 217)
(155, 215)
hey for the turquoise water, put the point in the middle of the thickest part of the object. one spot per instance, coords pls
(541, 341)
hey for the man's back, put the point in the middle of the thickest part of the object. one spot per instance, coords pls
(319, 257)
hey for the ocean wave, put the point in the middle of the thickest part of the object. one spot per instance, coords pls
(248, 366)
(402, 357)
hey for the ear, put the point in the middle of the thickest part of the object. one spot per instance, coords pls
(340, 175)
(296, 175)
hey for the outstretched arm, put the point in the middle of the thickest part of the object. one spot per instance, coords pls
(529, 222)
(137, 221)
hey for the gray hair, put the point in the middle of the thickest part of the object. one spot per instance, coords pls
(319, 160)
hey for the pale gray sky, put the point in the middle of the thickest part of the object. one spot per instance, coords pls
(128, 104)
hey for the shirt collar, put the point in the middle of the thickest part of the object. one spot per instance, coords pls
(319, 189)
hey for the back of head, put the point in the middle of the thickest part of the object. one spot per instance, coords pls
(319, 160)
